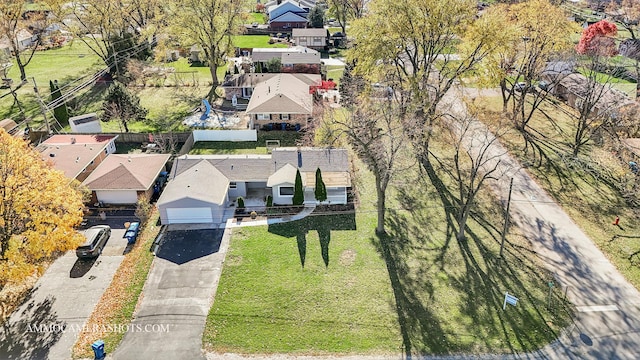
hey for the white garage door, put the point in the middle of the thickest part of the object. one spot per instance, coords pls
(117, 196)
(189, 215)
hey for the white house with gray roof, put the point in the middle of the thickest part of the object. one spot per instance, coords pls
(201, 187)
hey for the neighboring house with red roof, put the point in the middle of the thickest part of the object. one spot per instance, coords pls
(123, 178)
(77, 155)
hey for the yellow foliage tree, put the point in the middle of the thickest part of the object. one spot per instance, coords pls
(39, 210)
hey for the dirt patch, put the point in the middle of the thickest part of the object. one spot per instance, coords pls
(348, 257)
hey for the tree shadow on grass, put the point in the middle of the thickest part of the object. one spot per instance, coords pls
(474, 279)
(323, 224)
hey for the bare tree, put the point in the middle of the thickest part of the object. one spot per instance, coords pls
(374, 132)
(14, 27)
(476, 159)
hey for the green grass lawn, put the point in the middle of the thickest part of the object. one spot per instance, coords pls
(417, 289)
(255, 41)
(260, 18)
(64, 64)
(286, 138)
(587, 189)
(335, 72)
(268, 302)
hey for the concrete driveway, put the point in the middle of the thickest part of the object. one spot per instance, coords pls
(47, 324)
(177, 296)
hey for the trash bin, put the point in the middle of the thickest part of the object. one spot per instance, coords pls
(98, 349)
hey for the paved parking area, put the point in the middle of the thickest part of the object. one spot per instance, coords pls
(47, 325)
(177, 296)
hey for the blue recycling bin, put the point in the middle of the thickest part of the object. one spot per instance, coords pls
(98, 349)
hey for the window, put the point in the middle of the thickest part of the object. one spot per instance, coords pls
(246, 92)
(317, 40)
(284, 117)
(233, 185)
(263, 116)
(286, 191)
(302, 40)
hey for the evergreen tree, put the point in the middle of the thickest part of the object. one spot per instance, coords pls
(321, 189)
(60, 111)
(351, 86)
(316, 17)
(298, 194)
(123, 105)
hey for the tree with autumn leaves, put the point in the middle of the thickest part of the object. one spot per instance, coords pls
(39, 210)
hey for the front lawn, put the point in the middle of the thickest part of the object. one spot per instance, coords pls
(300, 288)
(267, 301)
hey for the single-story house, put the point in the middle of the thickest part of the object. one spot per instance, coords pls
(312, 38)
(575, 88)
(24, 40)
(287, 15)
(283, 99)
(296, 59)
(123, 178)
(77, 155)
(201, 187)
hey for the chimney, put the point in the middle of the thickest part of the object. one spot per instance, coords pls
(73, 140)
(269, 90)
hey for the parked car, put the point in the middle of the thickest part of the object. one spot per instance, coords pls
(520, 87)
(97, 237)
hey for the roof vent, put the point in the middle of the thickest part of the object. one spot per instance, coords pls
(129, 158)
(78, 159)
(73, 140)
(52, 155)
(231, 166)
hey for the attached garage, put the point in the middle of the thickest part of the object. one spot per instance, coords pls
(197, 196)
(189, 215)
(117, 196)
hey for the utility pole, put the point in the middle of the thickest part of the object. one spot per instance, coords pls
(42, 105)
(506, 218)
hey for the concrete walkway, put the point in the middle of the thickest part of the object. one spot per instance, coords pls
(233, 223)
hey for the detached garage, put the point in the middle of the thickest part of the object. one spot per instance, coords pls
(123, 178)
(197, 196)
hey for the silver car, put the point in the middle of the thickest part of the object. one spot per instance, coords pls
(97, 237)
